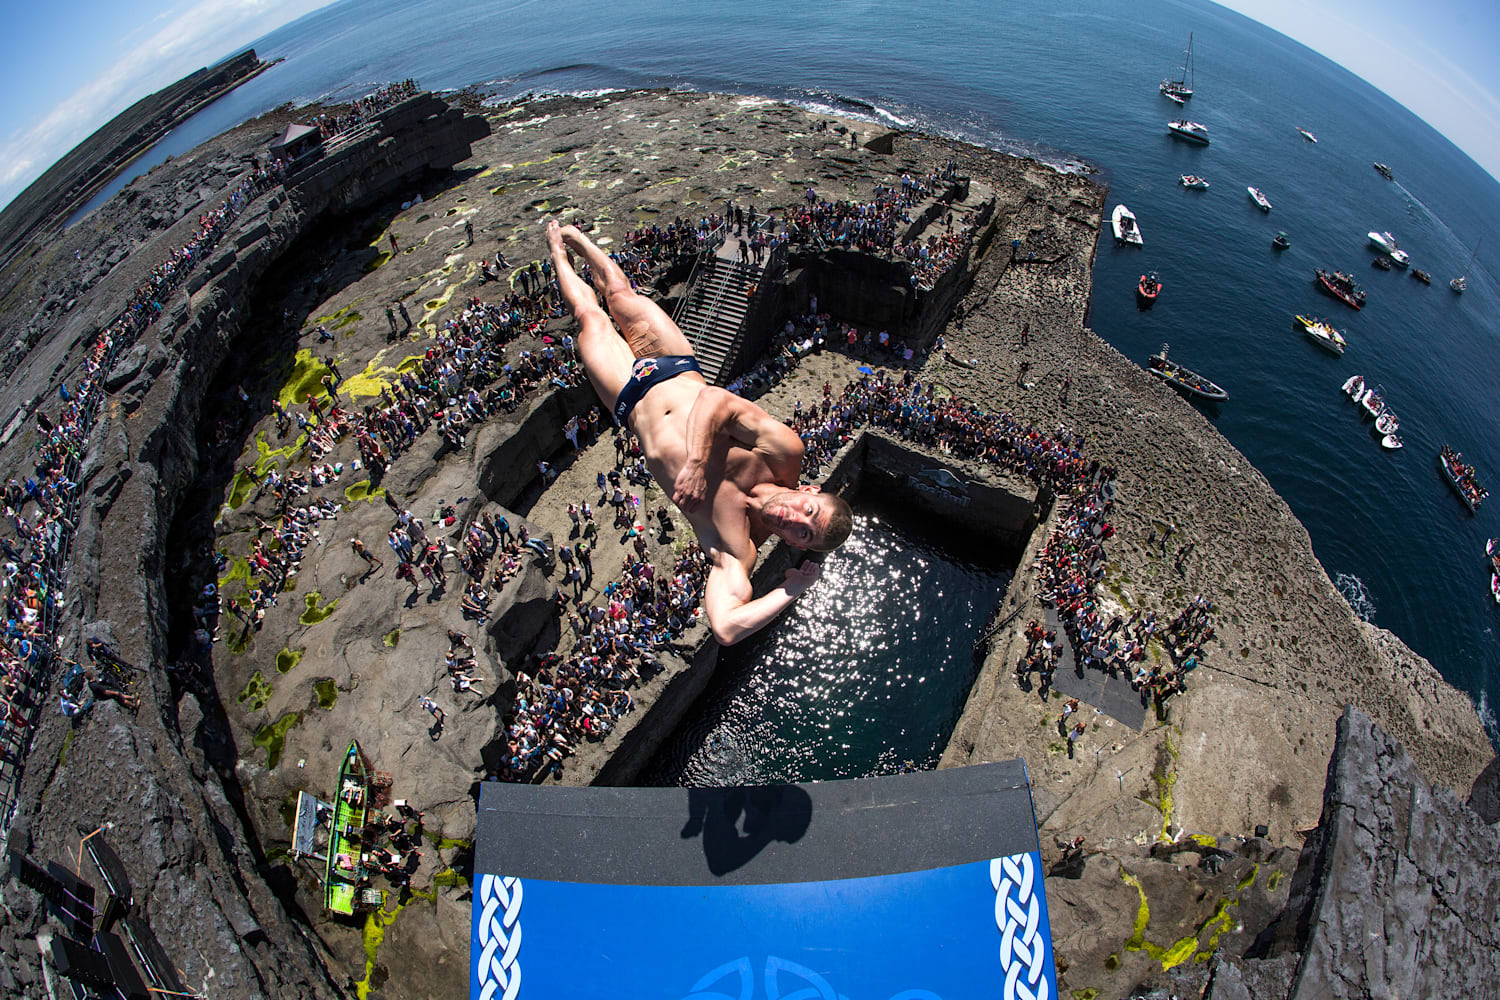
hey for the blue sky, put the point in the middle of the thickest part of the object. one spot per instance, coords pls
(71, 65)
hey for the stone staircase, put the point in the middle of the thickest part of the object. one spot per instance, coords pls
(715, 311)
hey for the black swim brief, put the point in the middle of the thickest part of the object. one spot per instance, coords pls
(645, 373)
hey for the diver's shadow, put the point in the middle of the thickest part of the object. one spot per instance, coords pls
(772, 812)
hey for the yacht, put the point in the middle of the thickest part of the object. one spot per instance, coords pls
(1190, 131)
(1386, 244)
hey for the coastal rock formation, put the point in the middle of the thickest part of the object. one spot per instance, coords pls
(159, 786)
(198, 786)
(1395, 892)
(97, 160)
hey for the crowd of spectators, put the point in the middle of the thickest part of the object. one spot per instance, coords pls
(1073, 560)
(42, 510)
(578, 695)
(461, 380)
(41, 513)
(868, 226)
(362, 110)
(910, 409)
(648, 253)
(931, 258)
(1073, 563)
(145, 304)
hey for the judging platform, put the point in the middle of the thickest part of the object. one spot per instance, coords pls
(923, 886)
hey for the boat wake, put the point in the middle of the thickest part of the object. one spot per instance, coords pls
(1353, 590)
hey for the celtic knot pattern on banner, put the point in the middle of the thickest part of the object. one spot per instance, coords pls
(784, 980)
(497, 967)
(1018, 913)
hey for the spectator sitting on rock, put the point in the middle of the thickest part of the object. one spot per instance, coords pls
(100, 690)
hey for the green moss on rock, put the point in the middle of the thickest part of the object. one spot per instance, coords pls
(288, 808)
(287, 659)
(306, 376)
(327, 692)
(257, 692)
(315, 613)
(362, 490)
(272, 737)
(239, 489)
(239, 569)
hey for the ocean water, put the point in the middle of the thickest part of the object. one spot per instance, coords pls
(882, 692)
(1076, 84)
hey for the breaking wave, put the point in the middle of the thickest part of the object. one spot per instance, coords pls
(1354, 591)
(1487, 718)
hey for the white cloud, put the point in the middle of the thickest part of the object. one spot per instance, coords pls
(190, 36)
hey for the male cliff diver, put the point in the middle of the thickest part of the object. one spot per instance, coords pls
(727, 464)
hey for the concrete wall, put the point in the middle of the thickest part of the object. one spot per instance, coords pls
(932, 488)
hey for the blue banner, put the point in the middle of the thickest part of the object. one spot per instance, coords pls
(964, 931)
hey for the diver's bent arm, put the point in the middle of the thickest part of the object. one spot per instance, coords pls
(733, 613)
(719, 417)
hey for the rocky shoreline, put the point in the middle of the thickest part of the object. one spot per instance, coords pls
(193, 779)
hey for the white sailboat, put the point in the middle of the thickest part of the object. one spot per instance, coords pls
(1181, 88)
(1460, 283)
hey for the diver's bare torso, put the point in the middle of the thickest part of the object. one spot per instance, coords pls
(660, 421)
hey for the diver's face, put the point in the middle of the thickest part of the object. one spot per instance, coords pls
(798, 516)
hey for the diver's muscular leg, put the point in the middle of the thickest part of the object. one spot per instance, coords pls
(607, 359)
(650, 331)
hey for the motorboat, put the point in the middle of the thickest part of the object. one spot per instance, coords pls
(1260, 200)
(1372, 402)
(1341, 286)
(1495, 587)
(1384, 171)
(1461, 477)
(1421, 275)
(1148, 288)
(1382, 263)
(1387, 423)
(1492, 553)
(1323, 334)
(1190, 131)
(1306, 134)
(1184, 379)
(1391, 442)
(1281, 242)
(1180, 88)
(1124, 225)
(1354, 386)
(1193, 181)
(1386, 244)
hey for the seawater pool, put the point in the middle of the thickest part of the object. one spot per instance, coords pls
(866, 674)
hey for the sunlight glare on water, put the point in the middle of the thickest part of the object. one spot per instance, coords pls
(868, 671)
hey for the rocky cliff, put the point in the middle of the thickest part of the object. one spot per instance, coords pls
(198, 872)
